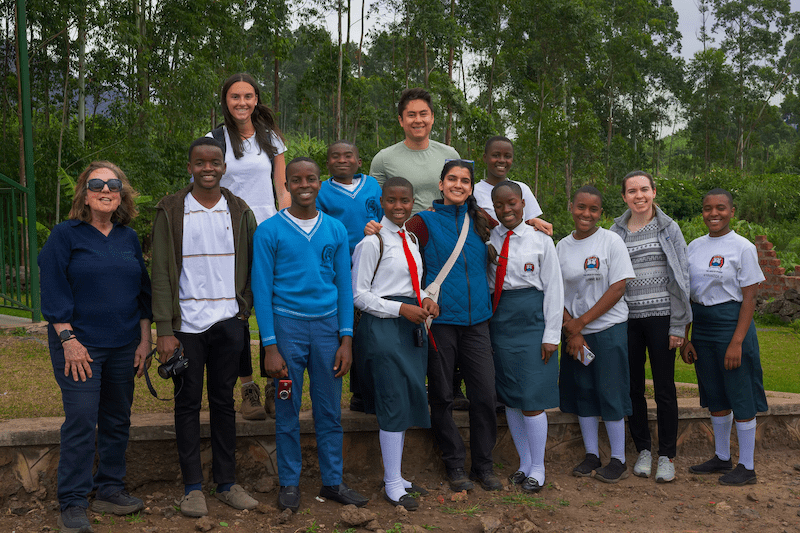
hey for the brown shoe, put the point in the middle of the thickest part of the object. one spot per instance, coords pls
(269, 398)
(251, 402)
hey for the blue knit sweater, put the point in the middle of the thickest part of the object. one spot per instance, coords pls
(305, 276)
(352, 208)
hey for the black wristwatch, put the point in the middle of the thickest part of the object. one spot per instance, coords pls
(66, 335)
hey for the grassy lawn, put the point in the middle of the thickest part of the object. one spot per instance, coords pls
(28, 388)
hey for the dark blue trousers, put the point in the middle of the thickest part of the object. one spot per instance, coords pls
(102, 402)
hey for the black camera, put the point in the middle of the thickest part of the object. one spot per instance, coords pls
(176, 365)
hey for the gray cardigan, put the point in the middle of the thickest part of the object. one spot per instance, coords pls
(674, 246)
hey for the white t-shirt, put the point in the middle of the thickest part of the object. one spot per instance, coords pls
(207, 285)
(250, 177)
(589, 267)
(483, 194)
(392, 278)
(305, 224)
(532, 262)
(720, 266)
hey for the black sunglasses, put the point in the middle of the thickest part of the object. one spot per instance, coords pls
(96, 184)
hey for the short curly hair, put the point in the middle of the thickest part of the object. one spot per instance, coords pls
(126, 211)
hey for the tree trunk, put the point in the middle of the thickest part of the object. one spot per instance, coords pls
(64, 119)
(361, 39)
(17, 61)
(425, 61)
(449, 131)
(81, 76)
(338, 110)
(275, 85)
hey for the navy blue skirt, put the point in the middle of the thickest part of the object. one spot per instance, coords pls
(603, 387)
(522, 379)
(391, 371)
(740, 389)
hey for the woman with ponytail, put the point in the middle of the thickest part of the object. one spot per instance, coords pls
(461, 332)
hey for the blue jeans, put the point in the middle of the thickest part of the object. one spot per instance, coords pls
(102, 402)
(312, 345)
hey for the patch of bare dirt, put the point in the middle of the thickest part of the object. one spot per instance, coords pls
(689, 504)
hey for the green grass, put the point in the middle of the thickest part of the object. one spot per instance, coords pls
(28, 388)
(780, 359)
(15, 312)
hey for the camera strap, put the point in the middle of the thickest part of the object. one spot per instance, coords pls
(150, 385)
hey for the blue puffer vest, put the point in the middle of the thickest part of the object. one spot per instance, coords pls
(464, 298)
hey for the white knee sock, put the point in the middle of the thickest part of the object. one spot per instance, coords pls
(746, 433)
(616, 438)
(406, 484)
(589, 427)
(536, 427)
(722, 435)
(392, 452)
(516, 424)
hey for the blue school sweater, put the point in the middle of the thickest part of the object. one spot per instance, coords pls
(352, 208)
(305, 276)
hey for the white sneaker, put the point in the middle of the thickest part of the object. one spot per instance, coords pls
(666, 470)
(644, 464)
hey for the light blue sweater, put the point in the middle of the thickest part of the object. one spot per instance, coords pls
(305, 276)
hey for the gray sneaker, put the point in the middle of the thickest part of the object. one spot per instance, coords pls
(666, 470)
(644, 464)
(194, 504)
(237, 498)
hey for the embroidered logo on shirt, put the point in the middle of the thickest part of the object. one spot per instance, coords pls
(528, 268)
(327, 256)
(592, 263)
(717, 261)
(372, 208)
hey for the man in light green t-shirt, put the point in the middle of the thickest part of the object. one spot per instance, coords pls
(417, 158)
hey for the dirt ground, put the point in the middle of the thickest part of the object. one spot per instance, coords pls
(689, 504)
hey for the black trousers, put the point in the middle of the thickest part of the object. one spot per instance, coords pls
(651, 335)
(219, 349)
(469, 348)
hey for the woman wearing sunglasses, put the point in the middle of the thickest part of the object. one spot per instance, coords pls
(96, 298)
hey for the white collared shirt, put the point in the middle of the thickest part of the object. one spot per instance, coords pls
(533, 262)
(392, 277)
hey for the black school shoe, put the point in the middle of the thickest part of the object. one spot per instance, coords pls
(715, 465)
(517, 478)
(289, 498)
(739, 477)
(531, 485)
(343, 494)
(458, 480)
(487, 479)
(613, 472)
(74, 520)
(590, 463)
(405, 500)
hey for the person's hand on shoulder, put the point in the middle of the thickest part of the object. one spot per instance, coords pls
(372, 228)
(541, 225)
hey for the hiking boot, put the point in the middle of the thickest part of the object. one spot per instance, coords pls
(666, 470)
(73, 520)
(712, 466)
(269, 398)
(613, 472)
(487, 479)
(644, 464)
(458, 480)
(251, 402)
(120, 503)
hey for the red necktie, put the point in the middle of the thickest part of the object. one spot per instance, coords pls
(412, 266)
(501, 272)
